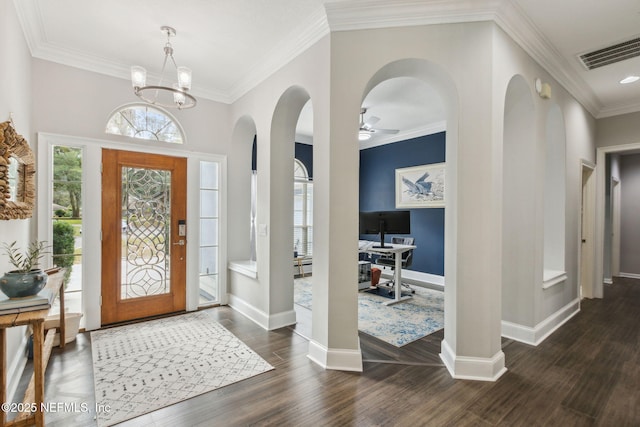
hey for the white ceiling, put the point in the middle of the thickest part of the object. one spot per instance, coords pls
(232, 45)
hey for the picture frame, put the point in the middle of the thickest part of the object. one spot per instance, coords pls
(421, 186)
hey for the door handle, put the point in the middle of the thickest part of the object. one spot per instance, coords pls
(179, 242)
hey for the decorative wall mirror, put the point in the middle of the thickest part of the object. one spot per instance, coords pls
(17, 175)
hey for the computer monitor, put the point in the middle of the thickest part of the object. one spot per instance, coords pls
(385, 222)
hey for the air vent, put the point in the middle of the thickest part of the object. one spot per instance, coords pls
(611, 54)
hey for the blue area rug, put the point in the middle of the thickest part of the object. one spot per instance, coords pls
(397, 324)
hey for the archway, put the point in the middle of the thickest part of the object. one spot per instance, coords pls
(280, 218)
(438, 80)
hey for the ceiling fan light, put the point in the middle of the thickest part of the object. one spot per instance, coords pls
(364, 136)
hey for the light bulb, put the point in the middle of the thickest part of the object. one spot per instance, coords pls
(184, 78)
(138, 76)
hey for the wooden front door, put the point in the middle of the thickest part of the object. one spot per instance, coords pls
(143, 235)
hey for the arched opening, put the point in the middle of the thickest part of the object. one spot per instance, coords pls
(426, 103)
(282, 153)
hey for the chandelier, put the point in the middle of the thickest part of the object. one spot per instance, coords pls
(174, 96)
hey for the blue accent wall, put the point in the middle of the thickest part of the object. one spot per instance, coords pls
(378, 193)
(304, 153)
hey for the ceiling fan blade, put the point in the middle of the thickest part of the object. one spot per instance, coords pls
(370, 122)
(387, 131)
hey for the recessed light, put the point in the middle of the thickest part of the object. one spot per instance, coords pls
(629, 79)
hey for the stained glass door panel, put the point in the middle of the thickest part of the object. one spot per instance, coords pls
(146, 230)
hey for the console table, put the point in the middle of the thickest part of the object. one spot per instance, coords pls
(41, 351)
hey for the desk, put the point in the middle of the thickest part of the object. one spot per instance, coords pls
(41, 352)
(397, 251)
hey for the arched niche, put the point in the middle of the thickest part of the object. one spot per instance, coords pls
(554, 198)
(241, 176)
(521, 175)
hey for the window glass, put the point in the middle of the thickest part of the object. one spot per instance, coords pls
(302, 211)
(209, 229)
(145, 122)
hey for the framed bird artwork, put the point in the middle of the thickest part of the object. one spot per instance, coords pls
(420, 186)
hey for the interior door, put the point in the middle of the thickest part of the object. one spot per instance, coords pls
(143, 235)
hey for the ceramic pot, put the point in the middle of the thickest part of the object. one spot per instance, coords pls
(17, 284)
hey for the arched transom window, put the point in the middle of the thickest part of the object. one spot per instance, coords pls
(145, 122)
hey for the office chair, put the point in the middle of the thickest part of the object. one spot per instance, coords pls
(407, 258)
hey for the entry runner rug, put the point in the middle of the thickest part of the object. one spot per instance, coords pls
(143, 367)
(397, 324)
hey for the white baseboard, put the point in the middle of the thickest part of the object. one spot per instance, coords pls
(335, 359)
(537, 334)
(630, 275)
(266, 321)
(608, 281)
(472, 368)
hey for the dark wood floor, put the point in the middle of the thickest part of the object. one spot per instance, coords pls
(585, 374)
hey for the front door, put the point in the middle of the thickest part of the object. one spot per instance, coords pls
(143, 235)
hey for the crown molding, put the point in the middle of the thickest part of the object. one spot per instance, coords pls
(618, 110)
(513, 21)
(343, 16)
(368, 14)
(301, 38)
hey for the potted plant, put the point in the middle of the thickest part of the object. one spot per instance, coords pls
(26, 280)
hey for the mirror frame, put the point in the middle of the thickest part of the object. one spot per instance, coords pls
(14, 145)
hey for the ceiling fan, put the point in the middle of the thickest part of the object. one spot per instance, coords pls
(366, 127)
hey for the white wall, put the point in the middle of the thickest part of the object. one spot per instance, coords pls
(269, 298)
(618, 130)
(70, 101)
(15, 97)
(548, 304)
(475, 180)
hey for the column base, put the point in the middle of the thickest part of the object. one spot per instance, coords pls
(336, 359)
(473, 368)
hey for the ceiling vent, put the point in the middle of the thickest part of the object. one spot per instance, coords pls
(612, 54)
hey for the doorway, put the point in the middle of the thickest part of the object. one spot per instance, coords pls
(587, 232)
(143, 235)
(615, 227)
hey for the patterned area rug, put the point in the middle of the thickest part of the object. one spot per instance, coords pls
(143, 367)
(397, 324)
